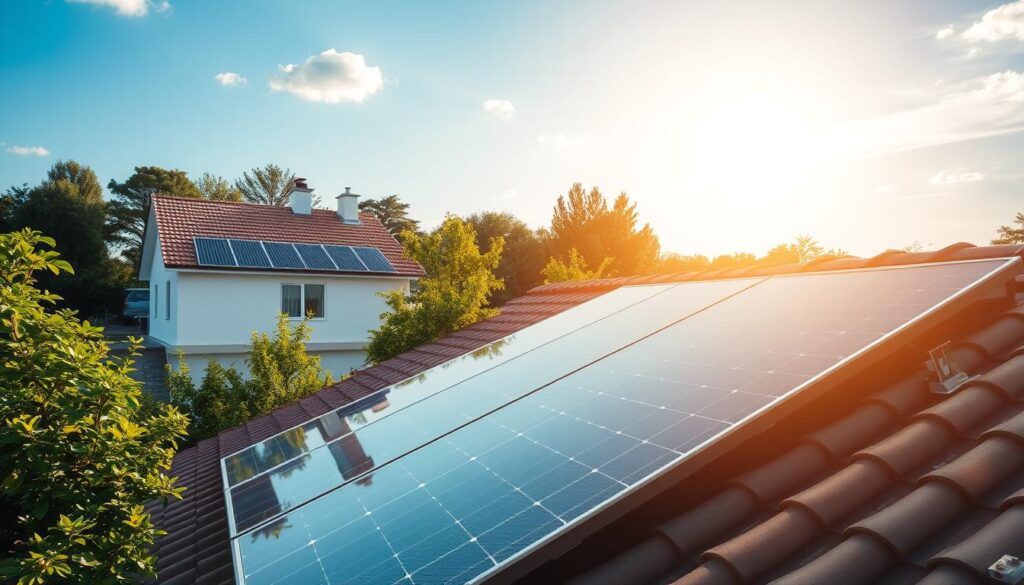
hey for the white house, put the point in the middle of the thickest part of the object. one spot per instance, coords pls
(220, 270)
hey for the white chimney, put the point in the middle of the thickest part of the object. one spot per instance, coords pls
(300, 198)
(348, 206)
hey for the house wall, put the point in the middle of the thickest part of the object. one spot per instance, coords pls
(161, 327)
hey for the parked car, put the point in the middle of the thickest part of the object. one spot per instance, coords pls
(136, 304)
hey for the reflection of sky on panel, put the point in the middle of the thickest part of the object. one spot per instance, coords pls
(456, 507)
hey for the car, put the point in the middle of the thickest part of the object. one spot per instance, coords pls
(136, 303)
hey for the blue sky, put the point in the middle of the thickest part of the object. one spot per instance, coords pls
(734, 125)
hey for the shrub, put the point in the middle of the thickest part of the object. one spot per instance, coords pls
(78, 457)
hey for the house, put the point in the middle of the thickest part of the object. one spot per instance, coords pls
(220, 270)
(881, 469)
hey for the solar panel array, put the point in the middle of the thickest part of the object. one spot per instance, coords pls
(261, 254)
(475, 472)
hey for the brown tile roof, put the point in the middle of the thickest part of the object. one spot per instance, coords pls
(180, 219)
(858, 499)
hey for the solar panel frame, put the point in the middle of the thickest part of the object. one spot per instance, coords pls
(345, 258)
(206, 246)
(272, 250)
(247, 250)
(374, 259)
(520, 563)
(315, 257)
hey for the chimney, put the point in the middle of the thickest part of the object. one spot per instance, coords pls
(348, 206)
(300, 198)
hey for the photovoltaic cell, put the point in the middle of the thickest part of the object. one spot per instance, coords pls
(457, 507)
(315, 257)
(283, 255)
(345, 257)
(250, 254)
(213, 252)
(374, 260)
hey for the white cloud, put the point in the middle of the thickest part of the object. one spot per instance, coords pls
(28, 150)
(1006, 87)
(228, 79)
(945, 33)
(952, 177)
(129, 7)
(1003, 23)
(330, 77)
(561, 141)
(500, 108)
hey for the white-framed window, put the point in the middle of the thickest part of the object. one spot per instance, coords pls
(299, 300)
(168, 308)
(155, 301)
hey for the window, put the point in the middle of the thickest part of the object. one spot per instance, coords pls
(299, 300)
(156, 301)
(168, 311)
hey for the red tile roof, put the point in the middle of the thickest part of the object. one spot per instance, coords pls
(859, 498)
(180, 219)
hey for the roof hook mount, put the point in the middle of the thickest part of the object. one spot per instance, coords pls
(948, 375)
(1008, 569)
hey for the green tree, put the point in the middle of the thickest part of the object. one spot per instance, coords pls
(130, 204)
(737, 260)
(266, 185)
(454, 294)
(557, 270)
(393, 213)
(802, 249)
(217, 188)
(79, 456)
(67, 206)
(281, 372)
(10, 200)
(584, 221)
(673, 262)
(523, 256)
(1008, 234)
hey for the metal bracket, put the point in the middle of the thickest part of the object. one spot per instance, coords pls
(1008, 569)
(949, 374)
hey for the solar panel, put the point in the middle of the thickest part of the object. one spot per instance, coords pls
(315, 257)
(374, 260)
(250, 254)
(345, 257)
(283, 255)
(546, 457)
(213, 252)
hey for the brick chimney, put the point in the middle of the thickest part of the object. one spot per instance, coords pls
(348, 206)
(300, 197)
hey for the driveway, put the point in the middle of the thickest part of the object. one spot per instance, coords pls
(149, 366)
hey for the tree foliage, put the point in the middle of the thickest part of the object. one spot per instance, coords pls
(802, 249)
(523, 257)
(586, 222)
(130, 204)
(393, 213)
(460, 279)
(1008, 234)
(217, 188)
(558, 270)
(281, 372)
(673, 262)
(79, 457)
(266, 185)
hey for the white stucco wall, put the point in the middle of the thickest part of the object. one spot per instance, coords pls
(161, 327)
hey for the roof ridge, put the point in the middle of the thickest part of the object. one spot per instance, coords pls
(248, 203)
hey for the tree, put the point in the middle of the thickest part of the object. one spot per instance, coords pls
(391, 212)
(80, 458)
(523, 256)
(281, 372)
(737, 260)
(454, 294)
(217, 188)
(10, 200)
(68, 207)
(803, 249)
(584, 221)
(1009, 234)
(575, 269)
(673, 262)
(267, 185)
(130, 205)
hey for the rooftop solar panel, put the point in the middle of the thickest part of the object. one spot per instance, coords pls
(315, 257)
(345, 257)
(213, 252)
(374, 260)
(283, 255)
(546, 457)
(250, 253)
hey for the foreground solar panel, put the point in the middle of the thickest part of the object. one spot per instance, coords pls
(315, 257)
(250, 254)
(374, 260)
(283, 255)
(214, 252)
(345, 257)
(546, 456)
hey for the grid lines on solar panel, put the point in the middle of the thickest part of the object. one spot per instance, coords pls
(250, 253)
(213, 252)
(374, 259)
(345, 258)
(314, 257)
(459, 506)
(283, 255)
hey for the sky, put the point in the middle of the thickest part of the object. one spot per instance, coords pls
(733, 125)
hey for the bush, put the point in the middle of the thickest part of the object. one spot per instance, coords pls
(78, 456)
